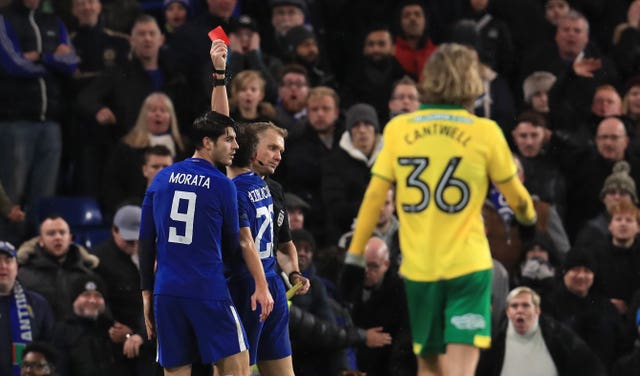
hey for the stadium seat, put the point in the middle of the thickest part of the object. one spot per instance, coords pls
(81, 213)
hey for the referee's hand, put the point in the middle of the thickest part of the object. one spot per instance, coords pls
(263, 297)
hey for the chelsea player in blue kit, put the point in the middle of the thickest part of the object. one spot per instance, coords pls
(268, 340)
(189, 224)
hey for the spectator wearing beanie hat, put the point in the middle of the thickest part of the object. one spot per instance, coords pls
(575, 303)
(297, 36)
(345, 172)
(296, 208)
(87, 295)
(302, 47)
(285, 15)
(83, 339)
(535, 89)
(176, 13)
(617, 188)
(619, 182)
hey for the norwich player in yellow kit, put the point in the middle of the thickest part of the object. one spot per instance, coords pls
(441, 159)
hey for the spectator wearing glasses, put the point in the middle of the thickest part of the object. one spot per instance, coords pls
(38, 359)
(293, 90)
(404, 97)
(587, 168)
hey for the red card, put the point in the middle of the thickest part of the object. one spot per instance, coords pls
(218, 33)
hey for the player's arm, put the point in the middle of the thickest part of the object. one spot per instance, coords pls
(250, 255)
(353, 269)
(219, 99)
(147, 258)
(287, 257)
(503, 172)
(519, 200)
(368, 216)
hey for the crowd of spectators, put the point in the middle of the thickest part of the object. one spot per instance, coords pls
(96, 96)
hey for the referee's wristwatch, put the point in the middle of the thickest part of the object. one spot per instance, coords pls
(293, 274)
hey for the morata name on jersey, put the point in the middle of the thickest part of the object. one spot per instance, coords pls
(259, 194)
(189, 179)
(436, 129)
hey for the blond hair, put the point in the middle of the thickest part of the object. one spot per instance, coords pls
(535, 298)
(138, 137)
(241, 81)
(262, 126)
(323, 91)
(451, 76)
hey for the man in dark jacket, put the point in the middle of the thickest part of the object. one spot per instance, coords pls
(83, 338)
(98, 47)
(301, 169)
(303, 48)
(371, 78)
(319, 315)
(381, 305)
(114, 99)
(51, 262)
(316, 302)
(586, 169)
(543, 344)
(588, 313)
(118, 268)
(35, 59)
(110, 104)
(17, 303)
(619, 260)
(345, 171)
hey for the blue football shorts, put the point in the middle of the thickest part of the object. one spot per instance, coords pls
(188, 328)
(268, 340)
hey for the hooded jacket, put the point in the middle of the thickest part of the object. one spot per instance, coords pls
(40, 272)
(345, 176)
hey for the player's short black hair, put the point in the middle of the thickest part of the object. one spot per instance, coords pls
(212, 125)
(248, 144)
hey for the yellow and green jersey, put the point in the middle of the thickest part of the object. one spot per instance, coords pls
(441, 159)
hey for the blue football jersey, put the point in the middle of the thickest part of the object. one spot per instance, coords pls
(255, 210)
(190, 210)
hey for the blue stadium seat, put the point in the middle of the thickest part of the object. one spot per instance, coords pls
(83, 215)
(90, 237)
(77, 211)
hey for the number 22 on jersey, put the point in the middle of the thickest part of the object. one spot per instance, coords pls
(264, 237)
